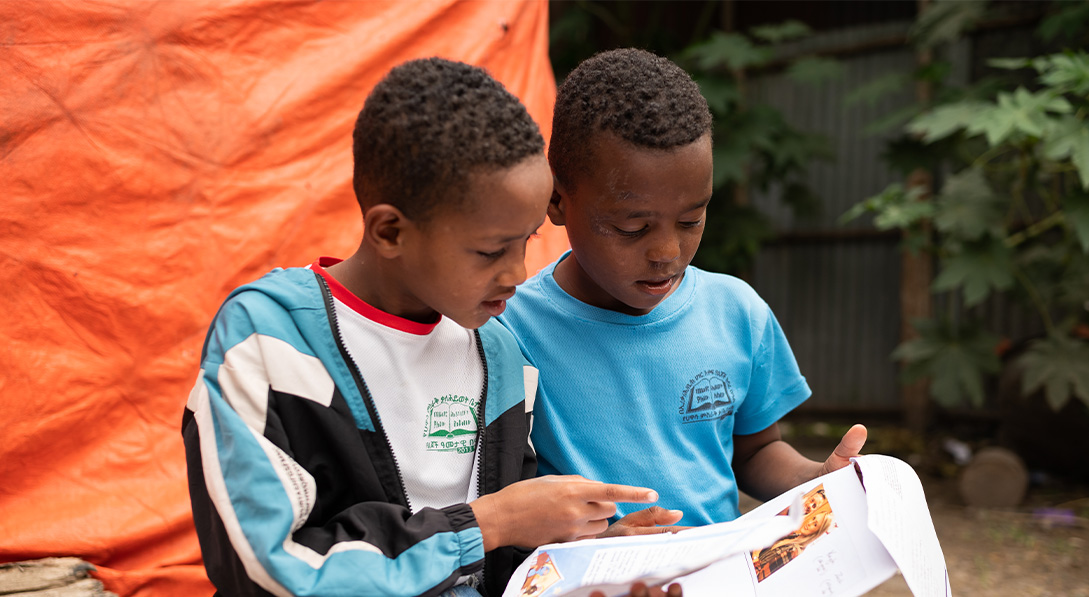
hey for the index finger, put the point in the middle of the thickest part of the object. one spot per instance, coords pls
(608, 492)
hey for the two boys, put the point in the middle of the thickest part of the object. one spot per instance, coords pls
(360, 426)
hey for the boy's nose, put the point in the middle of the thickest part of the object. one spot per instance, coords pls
(665, 248)
(515, 272)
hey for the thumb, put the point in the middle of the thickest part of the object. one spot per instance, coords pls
(652, 516)
(848, 448)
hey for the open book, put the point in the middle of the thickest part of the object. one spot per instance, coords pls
(836, 535)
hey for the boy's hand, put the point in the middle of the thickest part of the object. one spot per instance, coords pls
(640, 589)
(848, 448)
(550, 509)
(646, 522)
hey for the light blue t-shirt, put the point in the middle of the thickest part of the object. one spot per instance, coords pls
(654, 400)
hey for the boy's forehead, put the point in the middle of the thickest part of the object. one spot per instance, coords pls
(500, 203)
(628, 174)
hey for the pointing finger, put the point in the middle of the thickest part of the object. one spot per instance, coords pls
(624, 493)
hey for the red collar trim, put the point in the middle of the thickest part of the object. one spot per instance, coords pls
(357, 304)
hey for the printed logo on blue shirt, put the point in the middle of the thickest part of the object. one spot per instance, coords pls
(707, 397)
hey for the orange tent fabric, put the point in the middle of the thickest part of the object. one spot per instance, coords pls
(152, 157)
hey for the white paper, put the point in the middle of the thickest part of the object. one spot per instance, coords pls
(828, 537)
(900, 518)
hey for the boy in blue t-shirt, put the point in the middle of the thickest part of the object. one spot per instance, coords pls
(653, 372)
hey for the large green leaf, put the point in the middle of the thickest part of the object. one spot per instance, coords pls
(1066, 72)
(1021, 111)
(730, 50)
(761, 127)
(895, 208)
(903, 215)
(1079, 154)
(1059, 364)
(977, 269)
(877, 89)
(1077, 214)
(781, 32)
(954, 358)
(947, 119)
(945, 21)
(729, 160)
(1067, 22)
(1060, 137)
(892, 120)
(967, 208)
(814, 70)
(1010, 63)
(722, 94)
(1067, 137)
(732, 236)
(802, 200)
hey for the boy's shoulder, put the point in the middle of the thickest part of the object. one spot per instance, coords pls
(291, 288)
(718, 286)
(269, 305)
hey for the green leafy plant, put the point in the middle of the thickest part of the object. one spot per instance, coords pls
(1011, 217)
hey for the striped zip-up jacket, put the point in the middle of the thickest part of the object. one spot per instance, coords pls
(294, 488)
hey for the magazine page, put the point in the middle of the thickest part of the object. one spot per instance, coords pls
(831, 553)
(611, 565)
(839, 535)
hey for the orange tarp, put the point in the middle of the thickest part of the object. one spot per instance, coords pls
(154, 155)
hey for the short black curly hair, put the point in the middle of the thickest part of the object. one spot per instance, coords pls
(427, 126)
(643, 98)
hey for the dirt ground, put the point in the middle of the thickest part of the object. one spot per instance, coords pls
(1039, 548)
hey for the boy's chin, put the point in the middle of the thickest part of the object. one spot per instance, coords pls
(642, 306)
(471, 321)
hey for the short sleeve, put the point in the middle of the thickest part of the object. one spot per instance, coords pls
(776, 386)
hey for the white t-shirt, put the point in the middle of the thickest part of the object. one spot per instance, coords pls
(426, 381)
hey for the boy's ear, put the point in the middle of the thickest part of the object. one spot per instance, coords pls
(557, 204)
(384, 228)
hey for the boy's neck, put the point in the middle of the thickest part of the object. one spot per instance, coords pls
(364, 276)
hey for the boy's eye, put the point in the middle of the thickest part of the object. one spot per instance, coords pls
(692, 224)
(493, 254)
(631, 233)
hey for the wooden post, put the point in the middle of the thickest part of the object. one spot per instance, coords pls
(916, 274)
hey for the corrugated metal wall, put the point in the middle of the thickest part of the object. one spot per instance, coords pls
(836, 288)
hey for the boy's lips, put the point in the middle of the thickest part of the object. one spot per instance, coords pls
(657, 287)
(496, 307)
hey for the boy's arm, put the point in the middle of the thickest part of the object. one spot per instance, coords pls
(766, 466)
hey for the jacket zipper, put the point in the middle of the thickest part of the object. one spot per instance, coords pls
(480, 417)
(361, 385)
(480, 446)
